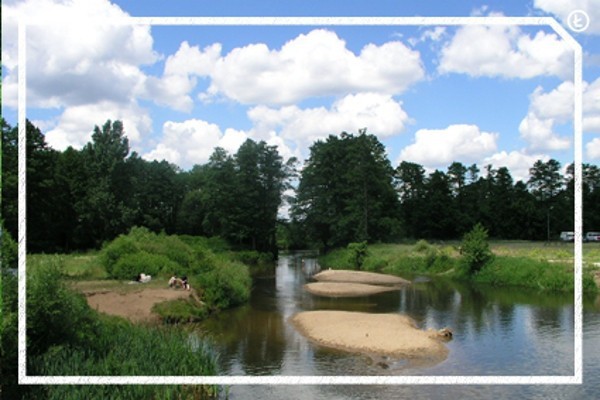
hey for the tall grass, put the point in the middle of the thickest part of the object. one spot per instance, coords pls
(525, 264)
(66, 337)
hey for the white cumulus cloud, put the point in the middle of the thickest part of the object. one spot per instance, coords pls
(517, 162)
(505, 51)
(314, 64)
(379, 113)
(73, 127)
(592, 150)
(549, 109)
(437, 148)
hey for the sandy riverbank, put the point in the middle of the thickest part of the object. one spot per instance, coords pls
(390, 335)
(137, 305)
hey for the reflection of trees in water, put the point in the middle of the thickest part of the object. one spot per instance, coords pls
(257, 342)
(466, 307)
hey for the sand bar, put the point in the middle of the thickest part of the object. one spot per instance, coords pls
(370, 278)
(392, 335)
(346, 289)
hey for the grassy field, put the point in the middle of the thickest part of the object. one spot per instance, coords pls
(541, 265)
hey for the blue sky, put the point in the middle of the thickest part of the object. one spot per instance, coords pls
(433, 95)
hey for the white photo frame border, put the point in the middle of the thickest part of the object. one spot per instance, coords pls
(576, 378)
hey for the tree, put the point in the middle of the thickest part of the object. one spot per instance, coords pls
(545, 183)
(102, 210)
(440, 220)
(345, 193)
(410, 184)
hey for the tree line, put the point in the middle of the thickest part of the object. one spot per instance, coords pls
(346, 191)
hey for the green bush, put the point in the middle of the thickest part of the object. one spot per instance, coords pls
(226, 286)
(144, 251)
(422, 246)
(8, 249)
(336, 259)
(358, 253)
(180, 310)
(55, 315)
(130, 266)
(475, 249)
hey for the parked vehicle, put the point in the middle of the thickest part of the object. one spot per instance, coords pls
(592, 237)
(567, 236)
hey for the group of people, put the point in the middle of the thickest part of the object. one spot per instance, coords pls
(182, 282)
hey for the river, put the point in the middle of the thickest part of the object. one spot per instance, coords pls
(496, 332)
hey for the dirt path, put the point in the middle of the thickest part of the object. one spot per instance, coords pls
(133, 305)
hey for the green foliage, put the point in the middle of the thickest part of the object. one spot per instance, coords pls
(129, 266)
(345, 192)
(336, 259)
(475, 249)
(55, 315)
(66, 337)
(421, 246)
(358, 253)
(537, 274)
(180, 311)
(142, 251)
(124, 349)
(225, 286)
(8, 249)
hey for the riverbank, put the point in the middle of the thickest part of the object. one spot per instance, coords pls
(536, 265)
(391, 335)
(135, 306)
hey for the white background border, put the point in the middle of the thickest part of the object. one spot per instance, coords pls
(577, 377)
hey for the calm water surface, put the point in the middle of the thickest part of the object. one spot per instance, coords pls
(496, 332)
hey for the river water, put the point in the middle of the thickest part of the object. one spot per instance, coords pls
(496, 332)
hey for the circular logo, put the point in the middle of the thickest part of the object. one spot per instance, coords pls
(578, 20)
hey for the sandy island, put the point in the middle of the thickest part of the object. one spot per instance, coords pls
(344, 283)
(391, 335)
(369, 278)
(345, 289)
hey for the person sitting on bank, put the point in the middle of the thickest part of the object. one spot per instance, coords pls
(175, 281)
(184, 283)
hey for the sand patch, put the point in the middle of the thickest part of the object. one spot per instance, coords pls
(369, 278)
(390, 335)
(345, 289)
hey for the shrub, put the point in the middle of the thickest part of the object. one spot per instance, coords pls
(421, 246)
(475, 249)
(131, 265)
(336, 259)
(144, 251)
(226, 286)
(358, 253)
(55, 315)
(8, 249)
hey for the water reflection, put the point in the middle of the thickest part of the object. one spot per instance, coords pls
(497, 332)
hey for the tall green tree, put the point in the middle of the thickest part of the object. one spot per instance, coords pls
(546, 183)
(346, 192)
(103, 211)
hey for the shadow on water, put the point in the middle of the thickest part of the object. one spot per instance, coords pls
(496, 332)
